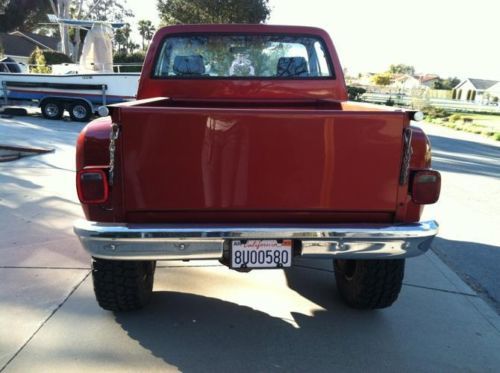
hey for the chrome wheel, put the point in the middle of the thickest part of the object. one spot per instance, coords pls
(79, 111)
(52, 110)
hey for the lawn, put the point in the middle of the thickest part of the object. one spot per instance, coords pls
(485, 124)
(484, 120)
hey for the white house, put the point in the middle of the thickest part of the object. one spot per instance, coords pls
(409, 82)
(406, 82)
(473, 89)
(493, 93)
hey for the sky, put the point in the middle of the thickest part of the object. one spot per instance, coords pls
(450, 38)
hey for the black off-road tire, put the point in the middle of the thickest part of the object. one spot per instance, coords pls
(122, 285)
(369, 284)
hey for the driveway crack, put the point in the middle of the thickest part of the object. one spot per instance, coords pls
(45, 322)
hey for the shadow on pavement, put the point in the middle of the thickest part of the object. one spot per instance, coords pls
(466, 157)
(199, 334)
(18, 181)
(485, 266)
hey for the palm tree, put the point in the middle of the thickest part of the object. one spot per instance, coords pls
(126, 30)
(146, 30)
(120, 40)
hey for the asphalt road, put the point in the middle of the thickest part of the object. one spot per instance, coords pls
(469, 207)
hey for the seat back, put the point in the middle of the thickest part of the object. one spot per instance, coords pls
(189, 65)
(292, 67)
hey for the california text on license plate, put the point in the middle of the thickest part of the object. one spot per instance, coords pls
(261, 254)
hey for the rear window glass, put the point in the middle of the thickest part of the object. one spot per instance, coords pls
(243, 56)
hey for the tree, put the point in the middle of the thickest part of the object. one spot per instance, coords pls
(402, 69)
(120, 40)
(3, 5)
(22, 15)
(106, 10)
(99, 10)
(37, 58)
(131, 46)
(213, 11)
(61, 9)
(382, 79)
(447, 84)
(146, 30)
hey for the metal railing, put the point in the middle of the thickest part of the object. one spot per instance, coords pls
(413, 101)
(29, 68)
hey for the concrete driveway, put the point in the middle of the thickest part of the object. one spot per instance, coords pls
(203, 316)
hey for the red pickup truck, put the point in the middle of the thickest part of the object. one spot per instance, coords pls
(243, 147)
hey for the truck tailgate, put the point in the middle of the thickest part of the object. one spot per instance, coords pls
(258, 161)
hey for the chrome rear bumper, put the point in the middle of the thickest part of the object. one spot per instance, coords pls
(192, 242)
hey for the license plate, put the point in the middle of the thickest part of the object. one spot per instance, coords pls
(261, 254)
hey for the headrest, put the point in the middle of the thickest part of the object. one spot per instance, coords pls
(189, 65)
(292, 66)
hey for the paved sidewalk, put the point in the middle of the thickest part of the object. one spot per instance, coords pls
(203, 316)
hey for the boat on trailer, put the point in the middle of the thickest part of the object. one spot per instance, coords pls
(82, 90)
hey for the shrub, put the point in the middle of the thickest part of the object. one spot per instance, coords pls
(44, 58)
(455, 117)
(125, 58)
(390, 102)
(467, 120)
(355, 93)
(435, 112)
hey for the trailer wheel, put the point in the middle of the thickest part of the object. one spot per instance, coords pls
(80, 111)
(52, 109)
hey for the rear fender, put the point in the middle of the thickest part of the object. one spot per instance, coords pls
(92, 149)
(420, 159)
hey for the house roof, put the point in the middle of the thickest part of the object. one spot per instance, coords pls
(420, 78)
(399, 77)
(479, 84)
(494, 89)
(428, 77)
(23, 44)
(47, 41)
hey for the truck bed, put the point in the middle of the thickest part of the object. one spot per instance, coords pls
(279, 161)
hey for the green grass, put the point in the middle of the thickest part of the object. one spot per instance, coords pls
(485, 120)
(478, 123)
(476, 126)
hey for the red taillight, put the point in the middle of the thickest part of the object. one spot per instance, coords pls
(425, 187)
(92, 185)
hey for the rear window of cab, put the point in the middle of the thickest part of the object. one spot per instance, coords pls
(243, 56)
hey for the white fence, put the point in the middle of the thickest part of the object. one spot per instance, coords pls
(419, 102)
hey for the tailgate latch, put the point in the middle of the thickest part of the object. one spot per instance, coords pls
(115, 132)
(407, 152)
